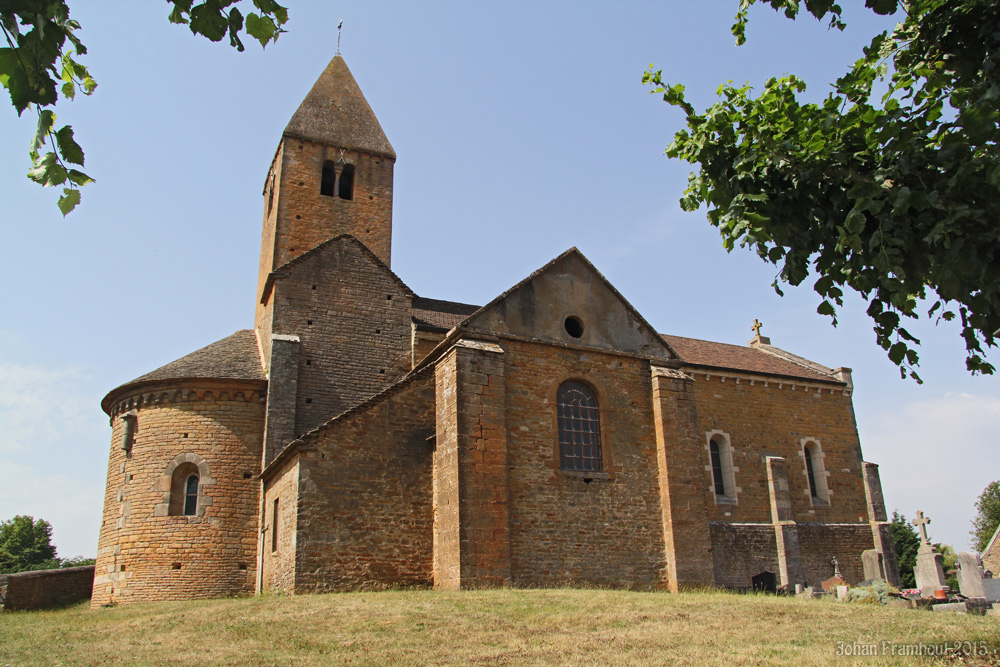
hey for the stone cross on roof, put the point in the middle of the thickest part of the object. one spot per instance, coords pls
(756, 327)
(921, 522)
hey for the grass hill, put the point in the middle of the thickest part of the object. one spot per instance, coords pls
(495, 627)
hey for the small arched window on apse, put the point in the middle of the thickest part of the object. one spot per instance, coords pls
(815, 472)
(328, 181)
(720, 454)
(185, 483)
(191, 495)
(579, 428)
(345, 189)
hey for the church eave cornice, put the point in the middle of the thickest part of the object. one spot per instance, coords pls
(348, 146)
(136, 394)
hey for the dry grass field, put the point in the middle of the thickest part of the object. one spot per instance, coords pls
(496, 627)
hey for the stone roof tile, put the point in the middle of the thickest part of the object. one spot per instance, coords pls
(695, 352)
(440, 314)
(235, 357)
(336, 113)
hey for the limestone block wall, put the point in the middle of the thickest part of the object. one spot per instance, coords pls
(740, 551)
(768, 417)
(353, 320)
(682, 498)
(279, 527)
(305, 218)
(820, 543)
(565, 529)
(272, 190)
(43, 589)
(470, 469)
(364, 516)
(144, 552)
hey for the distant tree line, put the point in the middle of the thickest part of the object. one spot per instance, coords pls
(26, 544)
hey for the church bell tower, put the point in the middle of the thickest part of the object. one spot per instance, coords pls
(331, 175)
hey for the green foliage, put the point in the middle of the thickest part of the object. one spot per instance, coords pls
(77, 561)
(40, 62)
(878, 592)
(894, 198)
(949, 563)
(906, 542)
(987, 516)
(26, 544)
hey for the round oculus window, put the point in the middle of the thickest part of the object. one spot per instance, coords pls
(574, 326)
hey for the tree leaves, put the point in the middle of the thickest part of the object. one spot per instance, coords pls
(39, 64)
(36, 67)
(26, 544)
(987, 516)
(896, 200)
(70, 150)
(215, 19)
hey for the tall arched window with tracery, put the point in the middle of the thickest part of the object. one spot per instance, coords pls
(579, 428)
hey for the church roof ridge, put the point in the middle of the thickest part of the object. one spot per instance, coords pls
(313, 433)
(767, 348)
(575, 252)
(993, 541)
(728, 356)
(235, 357)
(335, 112)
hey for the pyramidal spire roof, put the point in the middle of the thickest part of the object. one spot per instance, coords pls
(335, 112)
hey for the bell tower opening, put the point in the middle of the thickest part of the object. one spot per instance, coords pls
(346, 189)
(329, 179)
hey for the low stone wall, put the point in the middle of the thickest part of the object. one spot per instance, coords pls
(46, 588)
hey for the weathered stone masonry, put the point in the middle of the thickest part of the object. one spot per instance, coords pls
(362, 437)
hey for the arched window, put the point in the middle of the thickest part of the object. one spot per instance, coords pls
(184, 487)
(329, 180)
(720, 483)
(579, 428)
(811, 473)
(812, 455)
(186, 483)
(191, 496)
(346, 186)
(720, 454)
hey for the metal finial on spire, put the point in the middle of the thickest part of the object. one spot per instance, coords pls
(339, 26)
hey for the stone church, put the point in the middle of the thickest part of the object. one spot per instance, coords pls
(361, 436)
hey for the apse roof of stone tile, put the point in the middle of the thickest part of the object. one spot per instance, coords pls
(235, 357)
(440, 314)
(335, 112)
(695, 352)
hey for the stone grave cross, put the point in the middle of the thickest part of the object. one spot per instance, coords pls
(921, 522)
(928, 571)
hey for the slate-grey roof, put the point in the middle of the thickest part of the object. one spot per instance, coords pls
(235, 357)
(440, 314)
(336, 113)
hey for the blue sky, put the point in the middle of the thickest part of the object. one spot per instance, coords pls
(521, 128)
